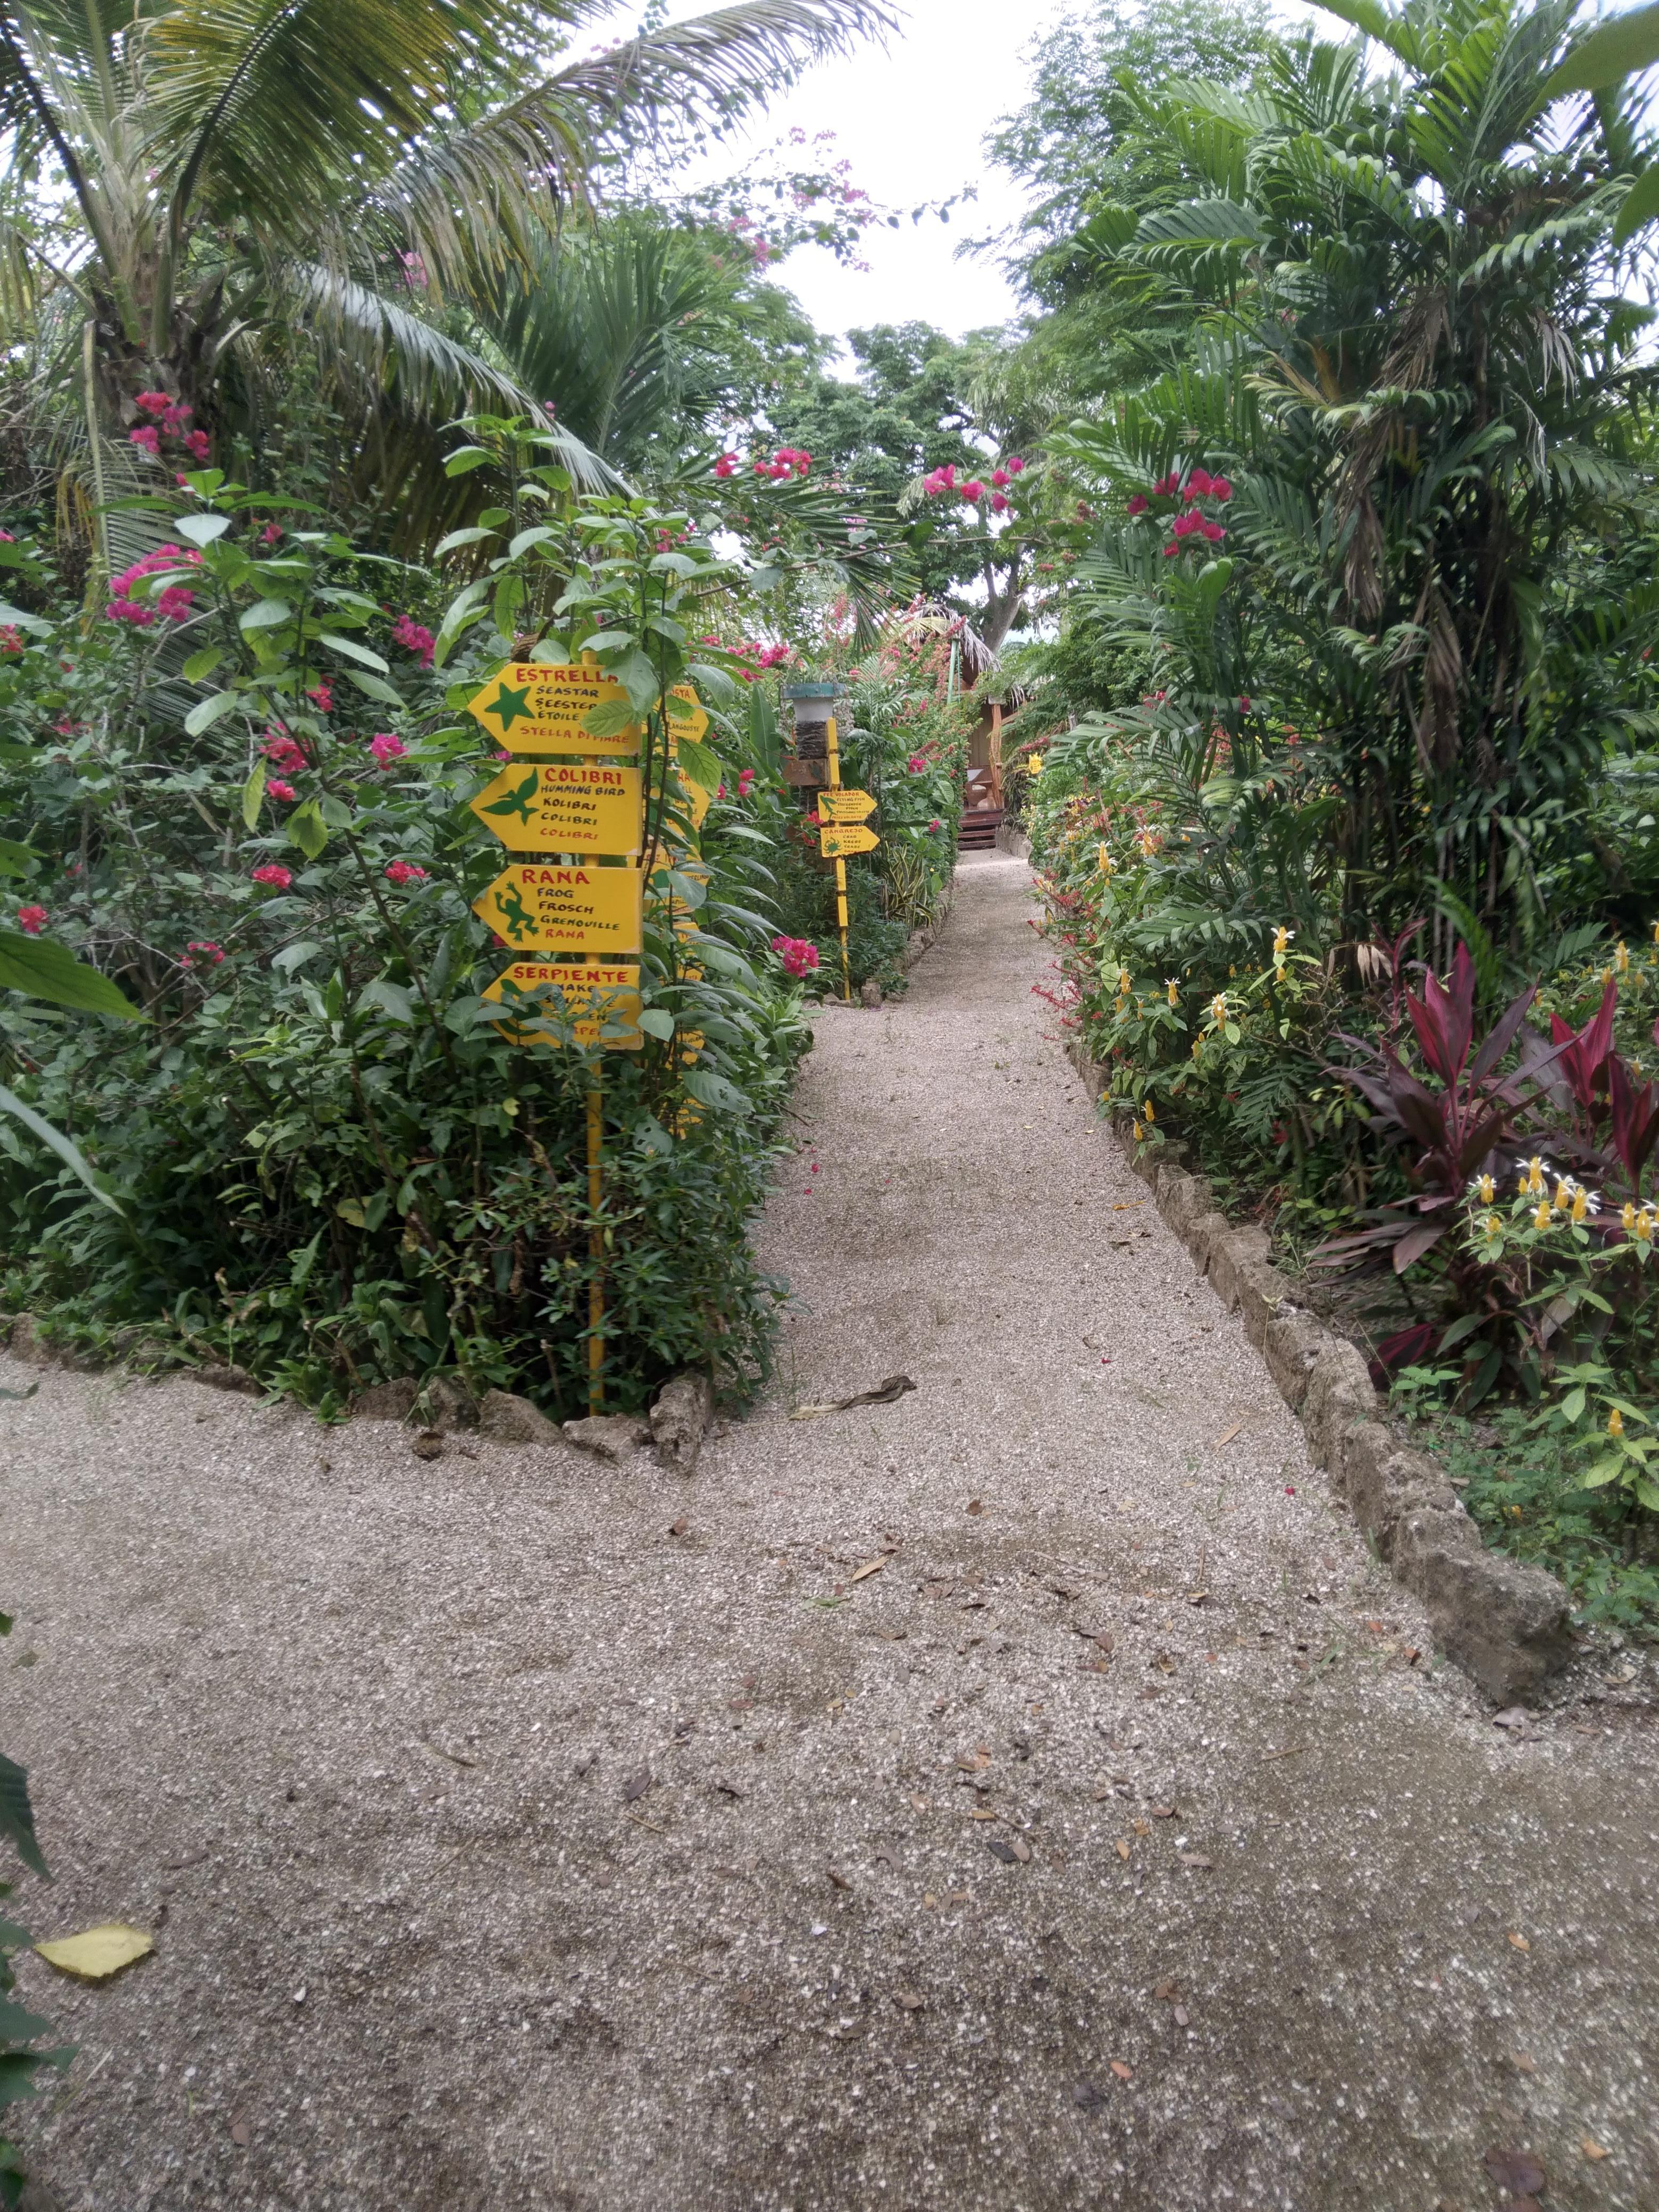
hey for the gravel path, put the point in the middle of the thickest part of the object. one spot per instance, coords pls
(1024, 1795)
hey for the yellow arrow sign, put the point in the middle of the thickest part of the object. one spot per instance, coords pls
(836, 844)
(845, 805)
(532, 709)
(685, 915)
(537, 907)
(592, 1000)
(565, 809)
(687, 720)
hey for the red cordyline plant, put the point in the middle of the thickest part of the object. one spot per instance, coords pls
(1584, 1071)
(1459, 1126)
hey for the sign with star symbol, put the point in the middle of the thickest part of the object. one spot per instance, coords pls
(533, 707)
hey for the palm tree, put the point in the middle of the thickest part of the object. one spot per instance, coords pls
(352, 167)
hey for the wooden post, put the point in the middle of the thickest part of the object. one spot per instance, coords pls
(832, 753)
(596, 1251)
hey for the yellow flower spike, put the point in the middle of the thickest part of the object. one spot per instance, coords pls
(1560, 1198)
(1543, 1217)
(1281, 941)
(1147, 1112)
(1124, 983)
(1607, 977)
(1106, 865)
(1198, 1047)
(1615, 1423)
(1580, 1205)
(1034, 765)
(1140, 1132)
(1643, 1227)
(1535, 1174)
(1494, 1225)
(1628, 1217)
(1173, 988)
(1524, 1184)
(1621, 957)
(1218, 1008)
(1488, 1190)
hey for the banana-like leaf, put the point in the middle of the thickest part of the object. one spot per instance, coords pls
(66, 1149)
(41, 968)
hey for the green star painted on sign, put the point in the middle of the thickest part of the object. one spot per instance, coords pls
(508, 705)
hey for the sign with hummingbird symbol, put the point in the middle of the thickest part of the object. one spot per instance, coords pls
(566, 807)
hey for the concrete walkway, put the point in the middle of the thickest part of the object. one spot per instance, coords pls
(1025, 1795)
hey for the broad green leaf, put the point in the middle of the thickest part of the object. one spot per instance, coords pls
(698, 762)
(611, 720)
(17, 619)
(1640, 205)
(202, 529)
(712, 1090)
(465, 458)
(254, 792)
(201, 665)
(1572, 1406)
(390, 998)
(373, 687)
(658, 1022)
(17, 1815)
(540, 534)
(40, 968)
(764, 578)
(307, 830)
(1615, 49)
(206, 712)
(458, 538)
(65, 1148)
(265, 614)
(293, 955)
(17, 860)
(638, 678)
(361, 653)
(718, 683)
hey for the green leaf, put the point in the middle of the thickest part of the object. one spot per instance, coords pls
(390, 998)
(712, 1090)
(40, 968)
(638, 678)
(66, 1150)
(18, 1814)
(202, 529)
(698, 762)
(458, 538)
(1572, 1406)
(540, 534)
(609, 641)
(1616, 49)
(17, 860)
(17, 2081)
(465, 458)
(265, 614)
(658, 1022)
(611, 720)
(17, 619)
(371, 687)
(254, 792)
(206, 712)
(295, 956)
(201, 665)
(307, 830)
(361, 653)
(764, 579)
(1640, 205)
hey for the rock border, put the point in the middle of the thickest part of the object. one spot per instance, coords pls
(1505, 1624)
(1013, 840)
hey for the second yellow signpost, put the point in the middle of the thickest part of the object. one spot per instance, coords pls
(840, 831)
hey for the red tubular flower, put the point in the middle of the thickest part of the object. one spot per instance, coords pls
(31, 919)
(1137, 504)
(275, 879)
(404, 872)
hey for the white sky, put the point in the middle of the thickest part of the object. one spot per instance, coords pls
(911, 120)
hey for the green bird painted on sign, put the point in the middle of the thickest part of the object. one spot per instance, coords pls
(521, 801)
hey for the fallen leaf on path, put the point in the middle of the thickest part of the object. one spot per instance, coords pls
(240, 2133)
(1123, 2073)
(1122, 1849)
(635, 1785)
(1236, 1430)
(839, 1879)
(97, 1953)
(678, 1527)
(1519, 1942)
(1000, 1848)
(976, 1505)
(870, 1567)
(985, 1816)
(1167, 1991)
(910, 2000)
(1194, 1859)
(1142, 1828)
(1290, 1751)
(1518, 2171)
(973, 1762)
(885, 1394)
(1064, 1591)
(1591, 2148)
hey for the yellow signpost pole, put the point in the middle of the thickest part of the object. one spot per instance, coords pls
(596, 1250)
(832, 750)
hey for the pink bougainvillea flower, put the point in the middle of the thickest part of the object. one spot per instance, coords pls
(1214, 532)
(1245, 707)
(280, 749)
(404, 872)
(1000, 479)
(212, 953)
(745, 782)
(1014, 465)
(175, 603)
(1200, 485)
(11, 640)
(275, 788)
(271, 533)
(935, 823)
(916, 764)
(31, 919)
(415, 637)
(1220, 488)
(999, 502)
(321, 697)
(1138, 505)
(277, 878)
(799, 955)
(154, 403)
(1170, 552)
(1185, 525)
(725, 465)
(385, 748)
(198, 444)
(973, 489)
(147, 436)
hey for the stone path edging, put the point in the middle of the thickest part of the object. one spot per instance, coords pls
(1504, 1624)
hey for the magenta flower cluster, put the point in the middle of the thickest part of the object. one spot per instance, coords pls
(415, 637)
(1191, 491)
(169, 418)
(173, 604)
(945, 483)
(799, 956)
